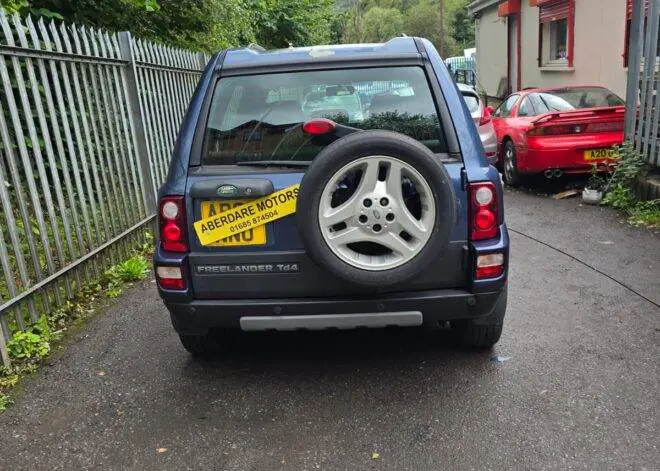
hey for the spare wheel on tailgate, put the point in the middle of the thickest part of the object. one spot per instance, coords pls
(375, 208)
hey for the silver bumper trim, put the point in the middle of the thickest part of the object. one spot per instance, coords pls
(332, 321)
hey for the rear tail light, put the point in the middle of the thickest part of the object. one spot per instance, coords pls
(484, 211)
(557, 130)
(489, 266)
(170, 278)
(486, 116)
(172, 224)
(616, 126)
(564, 129)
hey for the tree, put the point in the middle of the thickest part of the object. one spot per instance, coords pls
(203, 25)
(381, 24)
(422, 20)
(463, 29)
(283, 23)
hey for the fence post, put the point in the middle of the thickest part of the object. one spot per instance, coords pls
(4, 354)
(634, 60)
(201, 58)
(138, 130)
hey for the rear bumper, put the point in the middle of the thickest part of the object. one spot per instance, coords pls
(197, 317)
(569, 160)
(566, 153)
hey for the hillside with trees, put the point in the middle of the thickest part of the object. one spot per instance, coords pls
(210, 25)
(444, 22)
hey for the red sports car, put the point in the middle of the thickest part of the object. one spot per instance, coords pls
(557, 130)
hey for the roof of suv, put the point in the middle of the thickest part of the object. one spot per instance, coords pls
(255, 57)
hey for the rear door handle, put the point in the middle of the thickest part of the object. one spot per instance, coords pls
(232, 188)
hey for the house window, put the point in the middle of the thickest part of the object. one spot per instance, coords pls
(556, 25)
(558, 33)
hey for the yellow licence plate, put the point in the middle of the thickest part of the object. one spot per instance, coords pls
(600, 154)
(254, 236)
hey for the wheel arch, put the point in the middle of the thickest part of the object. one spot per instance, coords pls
(500, 150)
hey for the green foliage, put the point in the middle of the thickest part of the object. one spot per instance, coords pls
(423, 20)
(421, 127)
(596, 181)
(284, 23)
(31, 343)
(462, 29)
(645, 213)
(133, 269)
(365, 20)
(619, 192)
(13, 6)
(211, 25)
(629, 167)
(381, 24)
(202, 25)
(9, 381)
(5, 401)
(619, 196)
(147, 246)
(24, 7)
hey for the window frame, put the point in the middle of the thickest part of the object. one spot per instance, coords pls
(553, 35)
(526, 100)
(568, 14)
(508, 115)
(536, 96)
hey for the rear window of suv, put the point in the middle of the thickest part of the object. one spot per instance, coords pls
(259, 117)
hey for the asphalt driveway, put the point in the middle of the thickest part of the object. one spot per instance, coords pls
(575, 384)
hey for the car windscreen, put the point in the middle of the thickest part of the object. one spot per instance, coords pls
(472, 102)
(575, 98)
(260, 117)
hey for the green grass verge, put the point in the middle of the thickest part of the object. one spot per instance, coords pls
(640, 213)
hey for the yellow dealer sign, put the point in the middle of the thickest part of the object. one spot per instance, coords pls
(241, 218)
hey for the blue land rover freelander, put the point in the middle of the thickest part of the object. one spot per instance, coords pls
(330, 187)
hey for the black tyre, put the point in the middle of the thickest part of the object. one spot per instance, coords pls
(367, 145)
(484, 333)
(202, 345)
(510, 172)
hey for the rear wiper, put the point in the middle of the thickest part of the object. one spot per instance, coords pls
(274, 163)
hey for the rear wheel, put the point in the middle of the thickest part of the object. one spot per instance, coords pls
(509, 170)
(202, 345)
(484, 333)
(481, 336)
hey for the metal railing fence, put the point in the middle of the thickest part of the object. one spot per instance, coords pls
(643, 92)
(88, 120)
